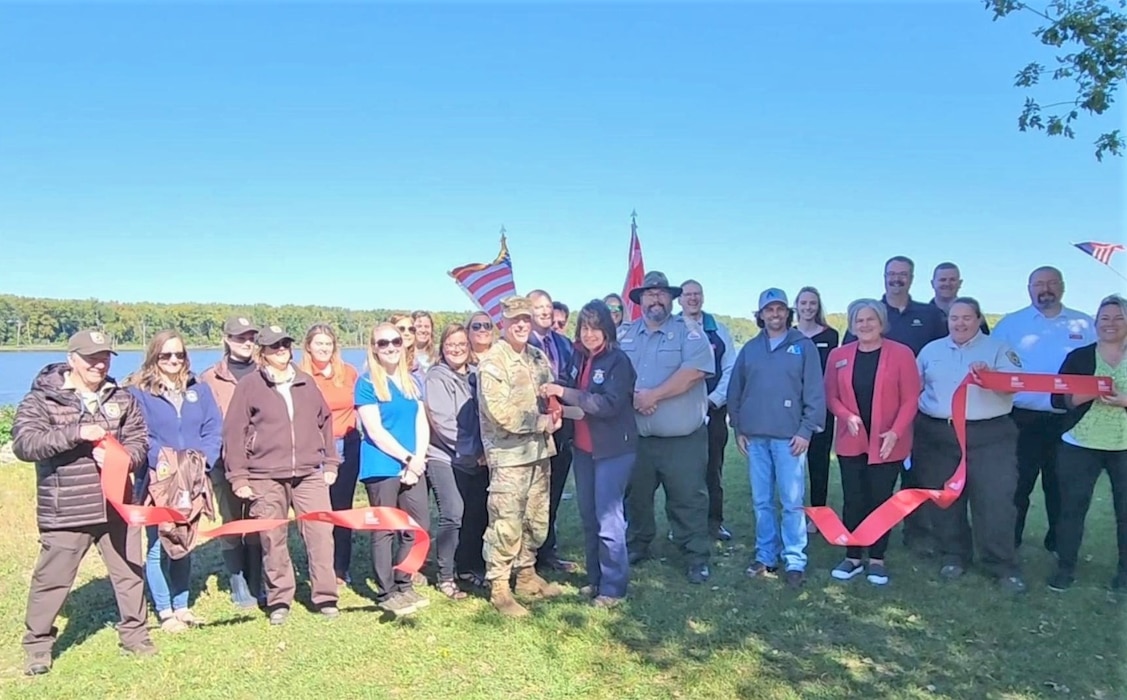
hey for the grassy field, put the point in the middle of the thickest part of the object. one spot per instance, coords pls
(733, 638)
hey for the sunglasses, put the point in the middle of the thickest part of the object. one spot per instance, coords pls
(406, 329)
(614, 308)
(382, 343)
(481, 326)
(287, 344)
(166, 356)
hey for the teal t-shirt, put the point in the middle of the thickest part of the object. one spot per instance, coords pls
(398, 418)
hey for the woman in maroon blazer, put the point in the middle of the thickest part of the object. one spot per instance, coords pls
(873, 389)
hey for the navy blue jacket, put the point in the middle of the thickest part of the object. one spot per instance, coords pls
(607, 401)
(198, 426)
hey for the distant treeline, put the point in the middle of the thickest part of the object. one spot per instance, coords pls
(29, 321)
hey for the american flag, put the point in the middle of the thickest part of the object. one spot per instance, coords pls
(1100, 251)
(488, 284)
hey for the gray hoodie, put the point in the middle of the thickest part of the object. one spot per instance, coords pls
(454, 437)
(777, 393)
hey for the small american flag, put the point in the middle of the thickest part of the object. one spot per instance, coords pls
(488, 284)
(1100, 251)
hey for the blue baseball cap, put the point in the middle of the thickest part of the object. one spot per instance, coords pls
(772, 295)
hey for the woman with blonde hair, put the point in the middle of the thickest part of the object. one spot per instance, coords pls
(181, 414)
(812, 323)
(480, 328)
(393, 458)
(336, 379)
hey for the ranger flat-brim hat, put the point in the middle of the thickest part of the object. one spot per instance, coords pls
(653, 280)
(90, 343)
(272, 334)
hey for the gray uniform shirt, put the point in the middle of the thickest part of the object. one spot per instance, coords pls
(656, 356)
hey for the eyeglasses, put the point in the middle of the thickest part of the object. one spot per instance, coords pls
(481, 326)
(166, 356)
(382, 343)
(286, 344)
(455, 346)
(406, 329)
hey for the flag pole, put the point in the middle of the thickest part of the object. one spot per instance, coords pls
(1107, 264)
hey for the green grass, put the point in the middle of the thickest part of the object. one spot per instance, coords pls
(732, 638)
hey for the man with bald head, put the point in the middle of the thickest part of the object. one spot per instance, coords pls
(1042, 334)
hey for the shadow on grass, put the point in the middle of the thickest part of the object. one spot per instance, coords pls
(915, 637)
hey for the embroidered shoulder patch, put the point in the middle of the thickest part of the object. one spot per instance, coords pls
(493, 371)
(1012, 357)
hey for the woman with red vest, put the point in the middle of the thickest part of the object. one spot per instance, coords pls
(599, 380)
(873, 389)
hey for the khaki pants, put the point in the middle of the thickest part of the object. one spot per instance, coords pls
(273, 499)
(60, 554)
(518, 517)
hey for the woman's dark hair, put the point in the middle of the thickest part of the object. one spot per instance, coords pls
(596, 314)
(971, 302)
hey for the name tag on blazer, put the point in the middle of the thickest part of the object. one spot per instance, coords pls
(840, 363)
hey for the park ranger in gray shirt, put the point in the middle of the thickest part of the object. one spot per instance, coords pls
(672, 360)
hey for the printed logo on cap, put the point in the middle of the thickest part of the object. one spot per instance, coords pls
(276, 329)
(97, 337)
(243, 321)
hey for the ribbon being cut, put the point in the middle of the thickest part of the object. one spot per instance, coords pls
(903, 502)
(115, 486)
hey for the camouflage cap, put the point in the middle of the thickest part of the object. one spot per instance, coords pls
(90, 343)
(237, 325)
(515, 307)
(653, 280)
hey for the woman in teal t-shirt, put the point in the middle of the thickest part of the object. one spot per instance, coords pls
(1095, 440)
(392, 459)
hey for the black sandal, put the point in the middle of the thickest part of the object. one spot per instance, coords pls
(451, 590)
(473, 579)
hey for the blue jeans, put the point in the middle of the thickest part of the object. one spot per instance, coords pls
(774, 470)
(600, 486)
(167, 578)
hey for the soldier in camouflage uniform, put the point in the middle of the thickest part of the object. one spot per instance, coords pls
(516, 431)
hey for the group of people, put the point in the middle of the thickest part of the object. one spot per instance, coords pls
(492, 421)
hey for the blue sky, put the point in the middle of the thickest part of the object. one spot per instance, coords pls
(352, 154)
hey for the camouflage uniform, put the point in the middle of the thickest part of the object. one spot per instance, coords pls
(515, 432)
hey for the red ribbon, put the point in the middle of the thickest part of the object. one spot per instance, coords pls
(115, 486)
(903, 502)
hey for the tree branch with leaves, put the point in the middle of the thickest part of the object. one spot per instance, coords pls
(1092, 36)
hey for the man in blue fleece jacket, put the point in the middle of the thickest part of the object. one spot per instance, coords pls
(776, 402)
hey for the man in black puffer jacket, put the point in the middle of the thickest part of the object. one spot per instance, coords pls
(71, 407)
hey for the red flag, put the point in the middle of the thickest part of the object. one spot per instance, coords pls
(635, 274)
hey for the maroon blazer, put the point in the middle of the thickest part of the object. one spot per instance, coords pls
(896, 399)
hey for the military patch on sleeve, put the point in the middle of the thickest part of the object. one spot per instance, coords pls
(493, 371)
(1012, 357)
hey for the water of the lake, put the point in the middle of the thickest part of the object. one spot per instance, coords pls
(18, 369)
